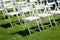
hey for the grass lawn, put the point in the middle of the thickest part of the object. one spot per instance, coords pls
(19, 32)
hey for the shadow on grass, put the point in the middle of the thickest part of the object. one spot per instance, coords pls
(26, 32)
(36, 28)
(21, 22)
(6, 25)
(58, 20)
(22, 33)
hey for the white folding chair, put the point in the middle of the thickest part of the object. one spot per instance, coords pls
(44, 14)
(7, 6)
(29, 18)
(56, 11)
(20, 3)
(40, 6)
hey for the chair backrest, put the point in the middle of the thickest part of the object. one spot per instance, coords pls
(28, 9)
(41, 7)
(8, 4)
(20, 3)
(8, 7)
(42, 1)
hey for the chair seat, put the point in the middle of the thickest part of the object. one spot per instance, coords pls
(1, 9)
(22, 2)
(0, 4)
(12, 13)
(48, 6)
(52, 3)
(58, 1)
(31, 1)
(55, 12)
(9, 5)
(41, 6)
(43, 15)
(6, 0)
(26, 9)
(31, 18)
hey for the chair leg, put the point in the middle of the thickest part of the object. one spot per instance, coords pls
(18, 18)
(54, 20)
(3, 15)
(41, 23)
(50, 21)
(28, 28)
(10, 21)
(38, 25)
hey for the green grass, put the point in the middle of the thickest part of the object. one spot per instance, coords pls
(12, 33)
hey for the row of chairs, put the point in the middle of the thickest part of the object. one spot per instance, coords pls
(31, 6)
